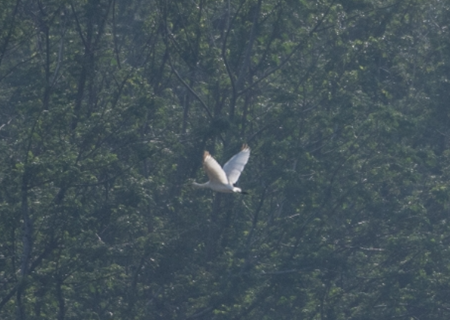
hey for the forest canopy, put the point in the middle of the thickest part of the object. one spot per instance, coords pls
(106, 107)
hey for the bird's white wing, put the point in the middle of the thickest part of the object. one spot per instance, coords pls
(233, 168)
(214, 170)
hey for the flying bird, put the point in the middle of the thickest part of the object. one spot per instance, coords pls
(223, 180)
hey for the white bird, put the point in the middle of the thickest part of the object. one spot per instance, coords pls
(223, 180)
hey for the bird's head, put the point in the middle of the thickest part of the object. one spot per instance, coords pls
(189, 182)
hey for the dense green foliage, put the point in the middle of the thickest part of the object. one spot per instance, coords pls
(106, 107)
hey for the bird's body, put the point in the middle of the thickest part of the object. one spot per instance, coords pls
(223, 180)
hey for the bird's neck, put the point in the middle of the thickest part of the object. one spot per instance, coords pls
(200, 185)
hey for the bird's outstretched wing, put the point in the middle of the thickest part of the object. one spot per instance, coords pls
(233, 168)
(214, 170)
